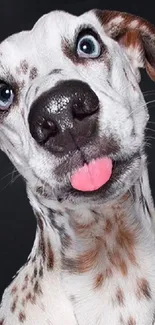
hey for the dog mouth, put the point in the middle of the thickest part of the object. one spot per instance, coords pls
(101, 177)
(92, 176)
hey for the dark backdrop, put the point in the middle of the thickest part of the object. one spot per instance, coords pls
(17, 223)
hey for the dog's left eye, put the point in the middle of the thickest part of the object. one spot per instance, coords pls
(6, 96)
(88, 47)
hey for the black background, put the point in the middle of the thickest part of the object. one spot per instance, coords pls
(17, 223)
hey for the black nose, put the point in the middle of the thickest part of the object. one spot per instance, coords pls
(70, 108)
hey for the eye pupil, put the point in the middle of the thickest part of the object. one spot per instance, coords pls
(87, 46)
(5, 93)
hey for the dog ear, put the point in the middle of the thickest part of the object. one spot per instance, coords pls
(134, 34)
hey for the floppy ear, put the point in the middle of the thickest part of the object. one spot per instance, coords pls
(134, 34)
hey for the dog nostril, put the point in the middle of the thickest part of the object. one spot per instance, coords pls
(82, 109)
(48, 129)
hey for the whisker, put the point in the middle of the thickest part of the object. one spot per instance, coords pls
(13, 171)
(148, 92)
(149, 129)
(151, 122)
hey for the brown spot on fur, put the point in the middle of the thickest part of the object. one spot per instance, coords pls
(26, 277)
(108, 226)
(108, 273)
(24, 287)
(14, 290)
(37, 288)
(131, 321)
(35, 272)
(87, 260)
(50, 256)
(41, 271)
(80, 228)
(143, 289)
(118, 262)
(21, 85)
(29, 297)
(22, 317)
(33, 299)
(41, 240)
(33, 73)
(99, 281)
(123, 268)
(132, 38)
(24, 66)
(36, 90)
(13, 306)
(120, 297)
(126, 240)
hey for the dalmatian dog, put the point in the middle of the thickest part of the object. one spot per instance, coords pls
(72, 121)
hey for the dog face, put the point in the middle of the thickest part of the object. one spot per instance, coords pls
(69, 94)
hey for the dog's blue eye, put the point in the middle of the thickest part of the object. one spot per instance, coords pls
(88, 47)
(6, 96)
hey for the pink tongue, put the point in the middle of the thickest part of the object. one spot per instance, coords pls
(92, 176)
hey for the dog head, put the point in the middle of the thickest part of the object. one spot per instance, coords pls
(69, 97)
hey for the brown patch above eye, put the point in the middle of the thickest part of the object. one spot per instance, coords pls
(33, 73)
(69, 51)
(24, 66)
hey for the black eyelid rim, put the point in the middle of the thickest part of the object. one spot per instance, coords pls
(3, 82)
(87, 30)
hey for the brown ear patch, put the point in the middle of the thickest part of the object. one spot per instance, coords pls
(131, 31)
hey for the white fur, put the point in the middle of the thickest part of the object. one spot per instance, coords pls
(122, 106)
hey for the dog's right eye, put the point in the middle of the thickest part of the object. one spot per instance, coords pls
(88, 47)
(6, 96)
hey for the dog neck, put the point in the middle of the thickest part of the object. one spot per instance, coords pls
(81, 231)
(78, 251)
